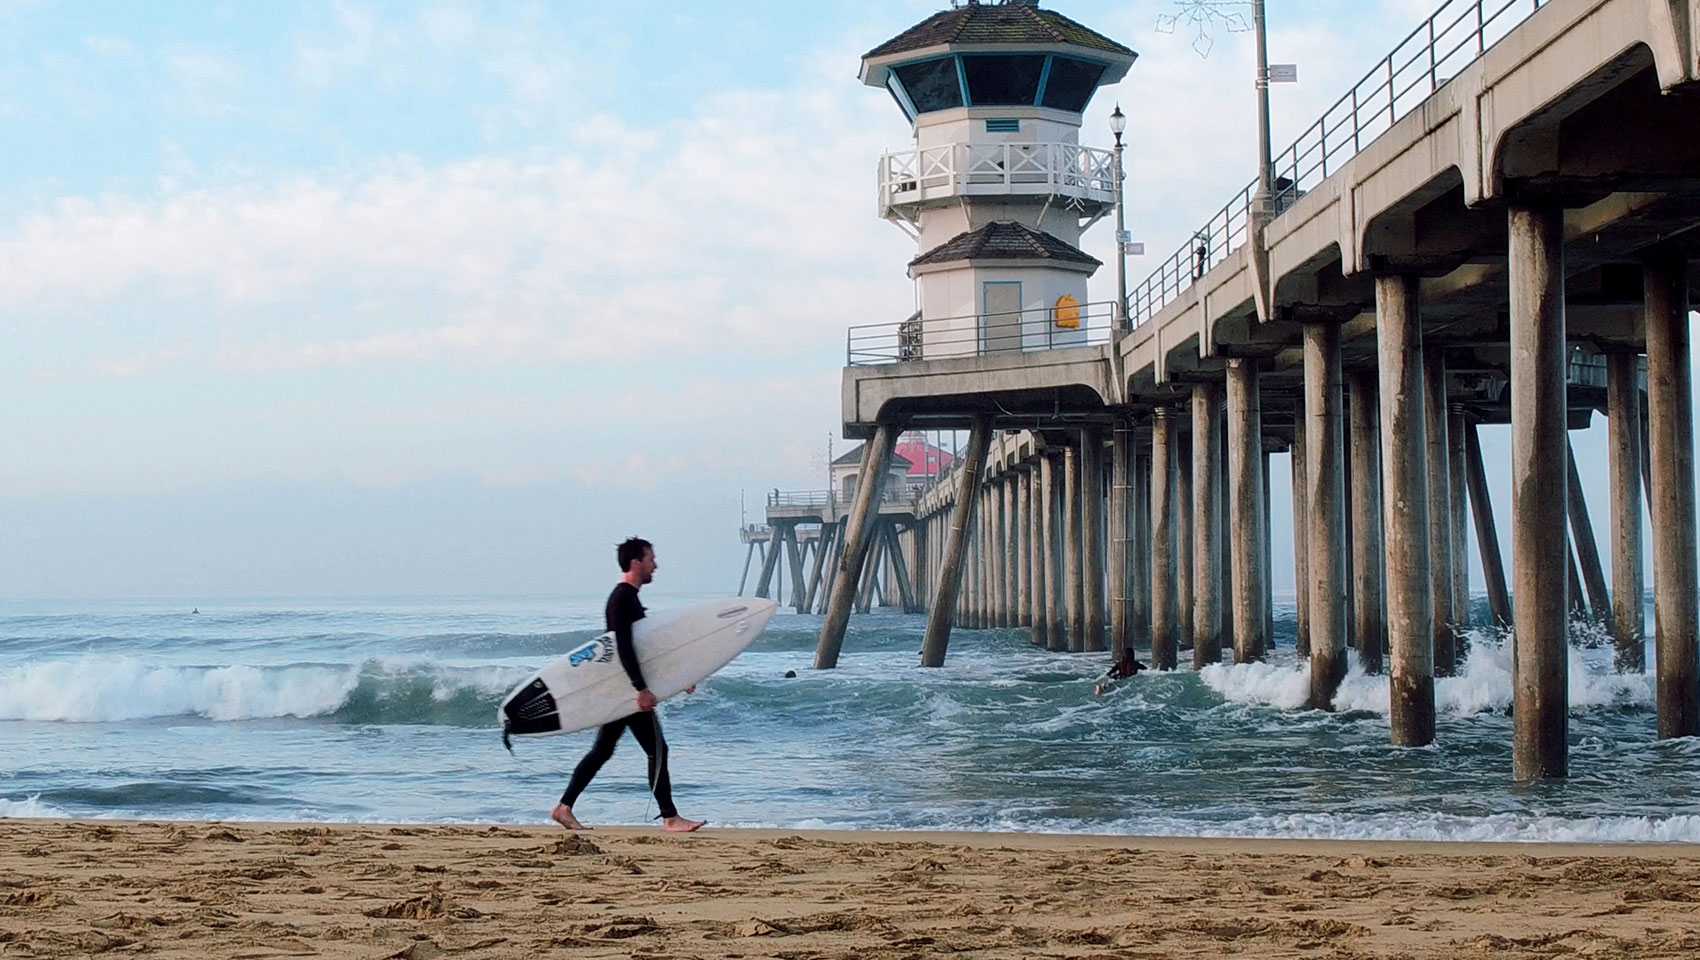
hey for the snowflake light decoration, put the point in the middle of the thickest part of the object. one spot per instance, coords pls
(1201, 15)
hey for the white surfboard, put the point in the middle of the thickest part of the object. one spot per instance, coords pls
(675, 649)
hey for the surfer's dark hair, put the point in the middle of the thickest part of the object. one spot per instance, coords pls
(631, 552)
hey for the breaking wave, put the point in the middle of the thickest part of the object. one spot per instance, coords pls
(104, 690)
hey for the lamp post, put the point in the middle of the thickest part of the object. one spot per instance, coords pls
(1118, 124)
(1265, 168)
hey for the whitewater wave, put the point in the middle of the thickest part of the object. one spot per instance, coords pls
(106, 689)
(1483, 684)
(29, 807)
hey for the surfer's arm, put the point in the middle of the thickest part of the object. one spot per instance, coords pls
(628, 656)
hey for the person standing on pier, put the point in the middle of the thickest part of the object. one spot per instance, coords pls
(637, 567)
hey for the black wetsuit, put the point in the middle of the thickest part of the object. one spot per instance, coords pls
(623, 611)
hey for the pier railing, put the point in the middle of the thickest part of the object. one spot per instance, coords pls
(805, 499)
(979, 334)
(992, 169)
(1455, 36)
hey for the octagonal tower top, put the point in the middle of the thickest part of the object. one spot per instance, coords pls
(997, 55)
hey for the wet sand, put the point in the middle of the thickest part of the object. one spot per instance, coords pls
(254, 891)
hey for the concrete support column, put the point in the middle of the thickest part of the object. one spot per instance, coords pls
(1139, 556)
(1268, 561)
(1245, 508)
(1184, 546)
(1404, 487)
(1092, 538)
(1023, 548)
(1460, 501)
(1369, 621)
(1628, 586)
(1301, 536)
(1440, 513)
(1670, 434)
(1324, 466)
(1039, 549)
(937, 637)
(1117, 563)
(1165, 614)
(1206, 548)
(1011, 551)
(1539, 485)
(1582, 538)
(998, 519)
(876, 461)
(1074, 597)
(1056, 626)
(1487, 533)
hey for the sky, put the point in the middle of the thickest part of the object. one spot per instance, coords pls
(446, 298)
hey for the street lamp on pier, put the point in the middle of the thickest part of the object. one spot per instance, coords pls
(1118, 124)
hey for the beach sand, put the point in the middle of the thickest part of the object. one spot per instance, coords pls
(282, 890)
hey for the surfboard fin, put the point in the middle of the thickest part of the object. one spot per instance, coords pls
(506, 741)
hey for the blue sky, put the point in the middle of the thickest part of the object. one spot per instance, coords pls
(313, 297)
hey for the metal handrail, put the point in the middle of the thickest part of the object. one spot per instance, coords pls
(829, 498)
(1016, 331)
(1455, 36)
(955, 169)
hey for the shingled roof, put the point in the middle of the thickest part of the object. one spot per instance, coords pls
(1014, 23)
(1004, 240)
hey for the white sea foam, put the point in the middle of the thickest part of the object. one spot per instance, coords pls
(28, 807)
(101, 689)
(1484, 684)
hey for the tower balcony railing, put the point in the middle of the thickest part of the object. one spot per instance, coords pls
(994, 169)
(980, 334)
(894, 493)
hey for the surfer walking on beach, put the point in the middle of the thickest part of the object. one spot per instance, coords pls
(637, 567)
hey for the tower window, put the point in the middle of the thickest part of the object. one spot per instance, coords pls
(1070, 83)
(1003, 79)
(931, 84)
(1010, 125)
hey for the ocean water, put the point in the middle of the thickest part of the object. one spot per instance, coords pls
(383, 710)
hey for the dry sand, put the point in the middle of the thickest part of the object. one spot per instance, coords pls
(252, 891)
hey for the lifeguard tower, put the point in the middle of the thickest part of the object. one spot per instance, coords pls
(997, 189)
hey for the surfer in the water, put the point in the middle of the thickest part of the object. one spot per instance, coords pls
(637, 567)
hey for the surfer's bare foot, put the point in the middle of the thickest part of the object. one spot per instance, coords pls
(679, 825)
(563, 815)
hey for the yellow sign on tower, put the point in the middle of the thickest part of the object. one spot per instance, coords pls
(1067, 312)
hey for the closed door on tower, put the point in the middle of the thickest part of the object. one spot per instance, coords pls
(1000, 320)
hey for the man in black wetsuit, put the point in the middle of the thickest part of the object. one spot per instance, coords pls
(637, 566)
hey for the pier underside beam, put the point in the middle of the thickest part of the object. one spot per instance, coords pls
(937, 638)
(876, 459)
(1539, 483)
(1404, 473)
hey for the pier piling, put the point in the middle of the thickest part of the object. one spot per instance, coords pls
(1629, 589)
(1324, 464)
(1092, 538)
(1670, 429)
(1206, 547)
(1245, 508)
(876, 456)
(937, 637)
(1538, 493)
(1165, 618)
(1369, 623)
(1404, 472)
(1440, 513)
